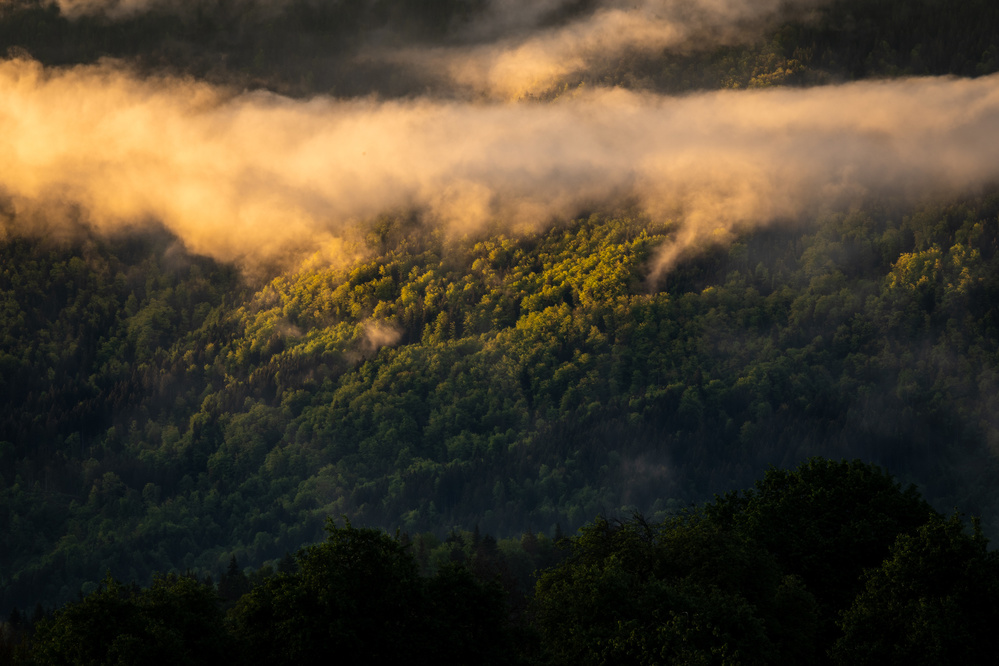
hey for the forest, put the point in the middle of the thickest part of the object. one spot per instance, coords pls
(744, 579)
(502, 386)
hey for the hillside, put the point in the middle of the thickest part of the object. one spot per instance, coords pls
(210, 367)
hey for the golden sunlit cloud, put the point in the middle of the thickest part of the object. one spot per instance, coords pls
(257, 177)
(525, 59)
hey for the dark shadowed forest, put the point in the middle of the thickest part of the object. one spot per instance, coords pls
(827, 563)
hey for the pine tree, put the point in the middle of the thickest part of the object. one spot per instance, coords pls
(233, 584)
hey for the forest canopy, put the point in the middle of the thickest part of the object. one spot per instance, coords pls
(769, 575)
(439, 266)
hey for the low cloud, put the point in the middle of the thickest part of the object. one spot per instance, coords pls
(526, 57)
(261, 178)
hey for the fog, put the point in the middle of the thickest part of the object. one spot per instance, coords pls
(261, 178)
(498, 49)
(525, 56)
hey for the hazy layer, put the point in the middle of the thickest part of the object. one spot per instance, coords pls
(502, 49)
(259, 177)
(525, 57)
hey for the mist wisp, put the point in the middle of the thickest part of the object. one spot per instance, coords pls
(519, 53)
(257, 177)
(498, 49)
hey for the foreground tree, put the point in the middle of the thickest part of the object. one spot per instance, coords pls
(935, 600)
(832, 560)
(359, 596)
(737, 582)
(175, 621)
(684, 591)
(827, 522)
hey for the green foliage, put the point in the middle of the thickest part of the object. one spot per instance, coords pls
(932, 601)
(359, 595)
(683, 591)
(175, 621)
(829, 560)
(154, 399)
(506, 382)
(160, 413)
(715, 586)
(823, 511)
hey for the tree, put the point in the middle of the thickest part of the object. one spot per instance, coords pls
(233, 584)
(359, 596)
(934, 600)
(826, 522)
(175, 621)
(685, 591)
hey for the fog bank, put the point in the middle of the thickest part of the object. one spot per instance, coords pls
(257, 177)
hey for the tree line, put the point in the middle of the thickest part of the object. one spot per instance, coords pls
(831, 562)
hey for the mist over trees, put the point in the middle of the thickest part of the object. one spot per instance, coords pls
(512, 382)
(305, 47)
(175, 427)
